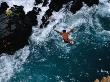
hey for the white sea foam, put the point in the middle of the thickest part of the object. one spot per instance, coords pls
(66, 20)
(10, 64)
(28, 4)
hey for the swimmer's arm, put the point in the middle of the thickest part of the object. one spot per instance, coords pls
(57, 31)
(71, 30)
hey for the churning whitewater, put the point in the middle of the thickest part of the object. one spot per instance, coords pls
(49, 59)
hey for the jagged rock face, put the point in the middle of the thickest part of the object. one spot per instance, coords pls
(56, 5)
(3, 7)
(15, 30)
(45, 2)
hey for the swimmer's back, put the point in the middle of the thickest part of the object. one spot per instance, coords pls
(65, 36)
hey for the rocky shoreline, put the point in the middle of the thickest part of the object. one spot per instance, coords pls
(16, 30)
(56, 5)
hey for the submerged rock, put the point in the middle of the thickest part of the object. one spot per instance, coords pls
(15, 30)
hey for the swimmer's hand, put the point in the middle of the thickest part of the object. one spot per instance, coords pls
(71, 30)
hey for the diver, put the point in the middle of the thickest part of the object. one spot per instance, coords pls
(65, 36)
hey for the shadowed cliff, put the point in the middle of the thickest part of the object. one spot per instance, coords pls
(16, 29)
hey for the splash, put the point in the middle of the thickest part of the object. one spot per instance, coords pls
(11, 64)
(85, 20)
(27, 4)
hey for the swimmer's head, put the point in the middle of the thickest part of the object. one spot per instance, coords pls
(64, 30)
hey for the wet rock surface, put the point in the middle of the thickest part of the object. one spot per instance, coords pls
(15, 30)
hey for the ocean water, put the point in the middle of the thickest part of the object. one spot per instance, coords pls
(49, 59)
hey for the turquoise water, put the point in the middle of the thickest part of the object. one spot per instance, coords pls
(49, 59)
(51, 64)
(55, 61)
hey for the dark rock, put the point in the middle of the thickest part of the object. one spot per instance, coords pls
(31, 15)
(76, 5)
(38, 2)
(15, 30)
(45, 2)
(56, 5)
(3, 7)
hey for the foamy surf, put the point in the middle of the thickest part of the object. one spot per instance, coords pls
(66, 20)
(9, 65)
